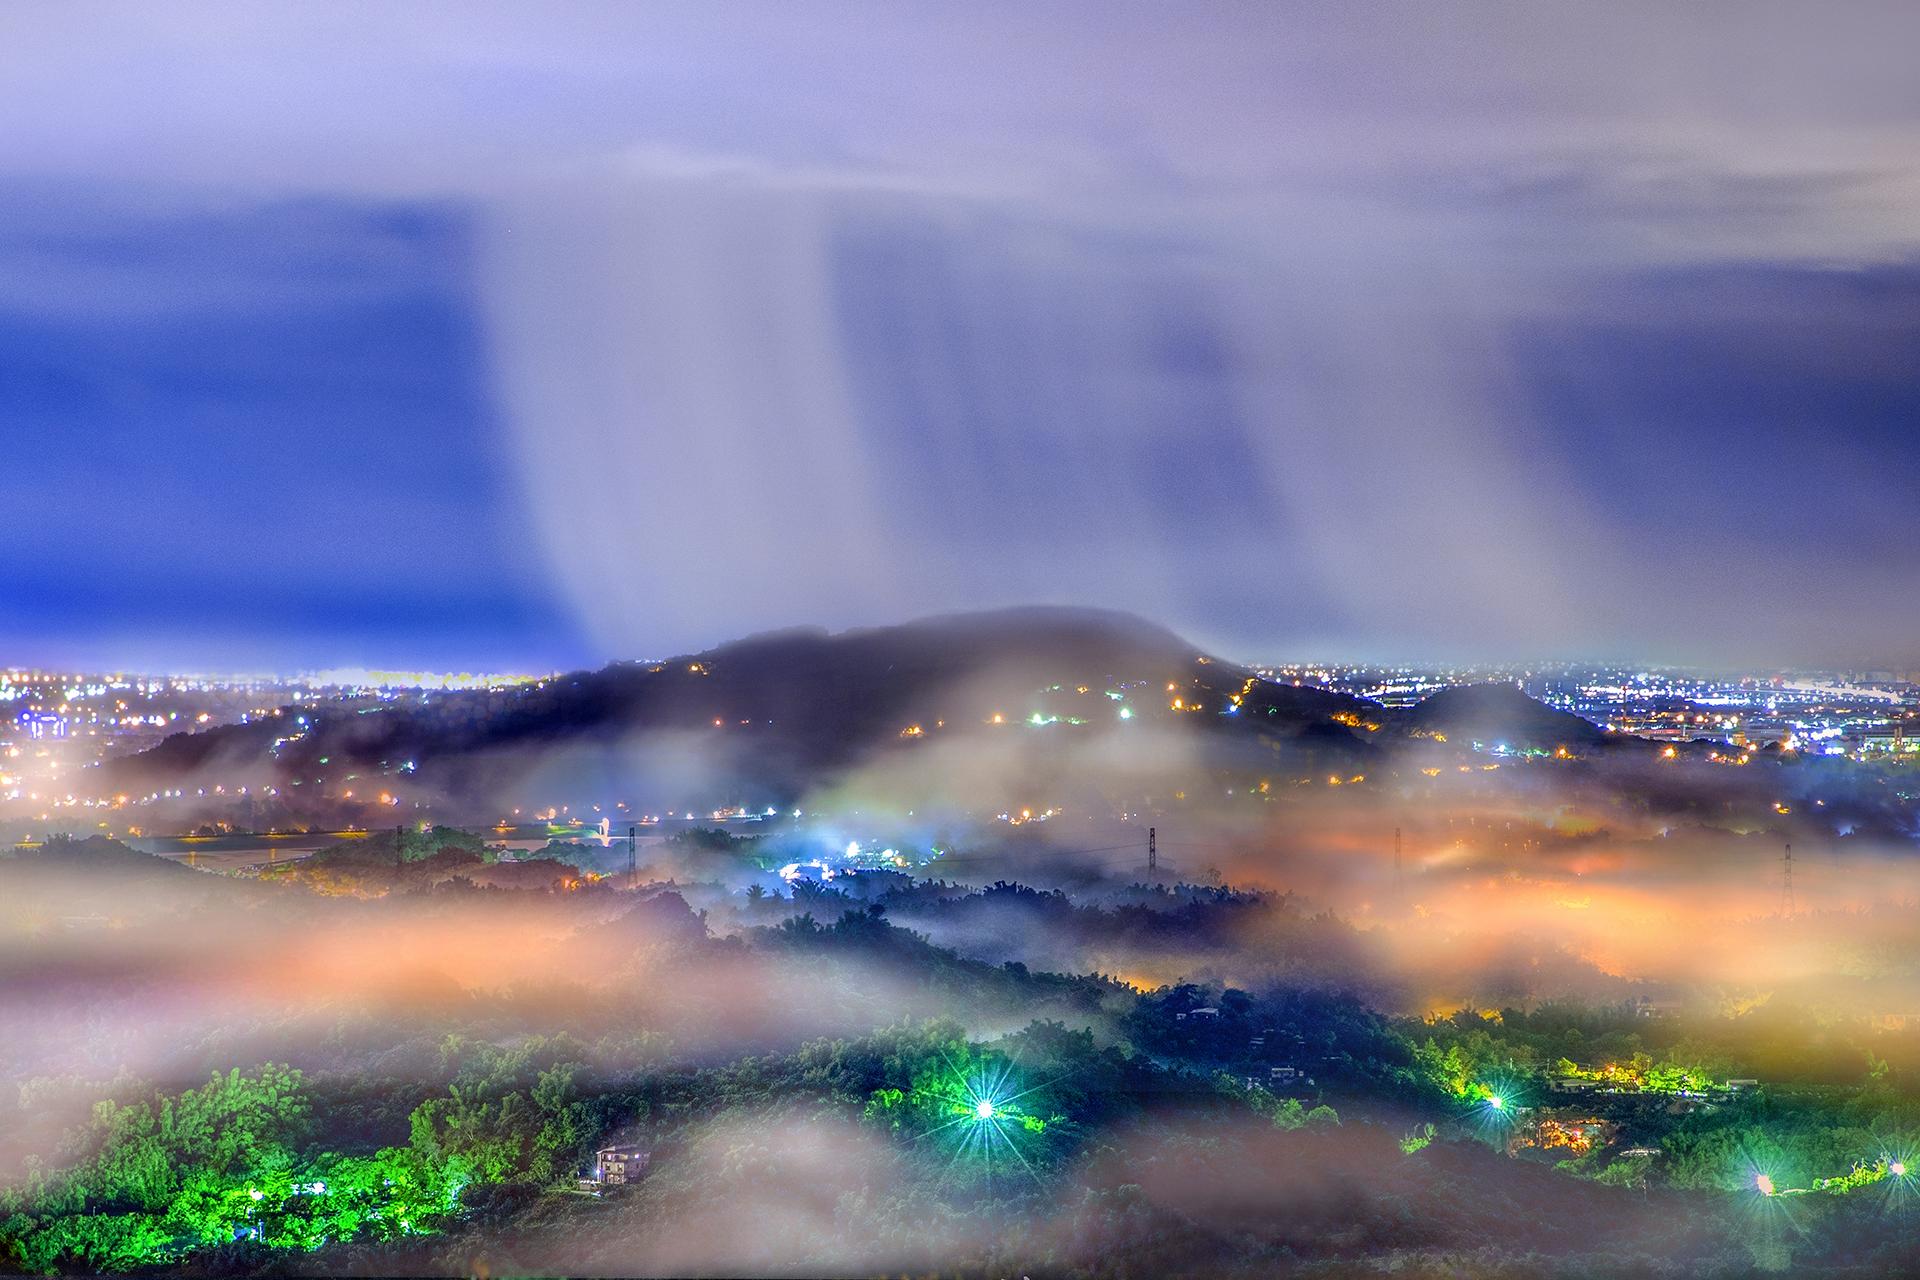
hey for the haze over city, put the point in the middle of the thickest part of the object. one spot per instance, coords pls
(1090, 640)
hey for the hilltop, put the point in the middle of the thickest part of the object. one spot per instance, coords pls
(1501, 713)
(773, 717)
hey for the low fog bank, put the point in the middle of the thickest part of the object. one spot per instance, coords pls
(778, 1042)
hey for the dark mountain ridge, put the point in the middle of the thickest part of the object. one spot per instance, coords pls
(781, 713)
(1502, 713)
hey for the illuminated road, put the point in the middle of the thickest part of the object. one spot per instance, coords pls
(247, 849)
(229, 853)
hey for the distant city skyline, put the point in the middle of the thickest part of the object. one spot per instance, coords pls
(467, 337)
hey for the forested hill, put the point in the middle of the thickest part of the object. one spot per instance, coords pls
(787, 711)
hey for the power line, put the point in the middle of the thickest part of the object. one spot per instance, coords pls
(1242, 846)
(999, 857)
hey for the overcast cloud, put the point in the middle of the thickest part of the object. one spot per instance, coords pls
(547, 334)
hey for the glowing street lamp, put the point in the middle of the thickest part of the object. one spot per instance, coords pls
(1764, 1183)
(983, 1109)
(1898, 1168)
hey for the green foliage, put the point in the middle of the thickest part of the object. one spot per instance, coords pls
(1626, 1171)
(1795, 1149)
(168, 1175)
(1640, 1071)
(141, 1151)
(886, 1106)
(534, 1135)
(1284, 1113)
(974, 1104)
(415, 845)
(1449, 1070)
(1861, 1175)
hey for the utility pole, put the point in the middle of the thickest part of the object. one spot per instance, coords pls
(1786, 882)
(633, 844)
(1153, 851)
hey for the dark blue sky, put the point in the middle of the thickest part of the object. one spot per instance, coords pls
(465, 336)
(286, 449)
